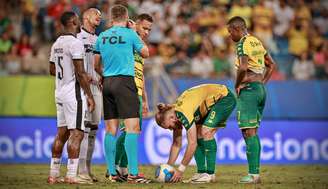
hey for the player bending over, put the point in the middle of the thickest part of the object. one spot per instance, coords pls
(143, 27)
(91, 19)
(201, 110)
(66, 63)
(254, 69)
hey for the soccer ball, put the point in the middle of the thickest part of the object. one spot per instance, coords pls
(164, 173)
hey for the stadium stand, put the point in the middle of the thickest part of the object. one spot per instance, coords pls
(185, 34)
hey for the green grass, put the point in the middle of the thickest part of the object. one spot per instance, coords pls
(273, 176)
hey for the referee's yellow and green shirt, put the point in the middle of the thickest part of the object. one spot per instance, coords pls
(138, 68)
(196, 102)
(253, 48)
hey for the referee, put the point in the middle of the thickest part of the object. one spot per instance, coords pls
(115, 47)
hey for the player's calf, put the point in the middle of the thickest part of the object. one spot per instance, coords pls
(73, 148)
(57, 149)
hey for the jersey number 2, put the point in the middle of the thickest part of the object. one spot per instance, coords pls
(61, 71)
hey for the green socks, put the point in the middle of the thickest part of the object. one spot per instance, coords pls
(110, 150)
(121, 158)
(210, 149)
(200, 156)
(253, 152)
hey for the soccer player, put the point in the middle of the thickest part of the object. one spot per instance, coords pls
(201, 110)
(116, 47)
(66, 63)
(143, 27)
(90, 19)
(254, 68)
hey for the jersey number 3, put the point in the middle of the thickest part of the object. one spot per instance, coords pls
(61, 71)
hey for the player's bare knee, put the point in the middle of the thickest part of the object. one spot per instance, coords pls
(76, 134)
(207, 133)
(249, 132)
(132, 125)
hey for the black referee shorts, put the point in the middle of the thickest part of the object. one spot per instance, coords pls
(120, 98)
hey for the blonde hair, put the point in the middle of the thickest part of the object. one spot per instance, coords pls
(119, 13)
(162, 110)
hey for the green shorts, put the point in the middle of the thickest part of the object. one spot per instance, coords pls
(122, 126)
(250, 105)
(220, 112)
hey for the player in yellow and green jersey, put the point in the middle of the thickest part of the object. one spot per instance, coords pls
(143, 27)
(254, 68)
(201, 110)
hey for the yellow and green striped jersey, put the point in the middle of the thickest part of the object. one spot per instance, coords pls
(194, 103)
(253, 48)
(138, 68)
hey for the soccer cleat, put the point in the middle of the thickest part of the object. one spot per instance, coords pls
(138, 179)
(85, 177)
(203, 178)
(55, 180)
(93, 177)
(114, 178)
(250, 179)
(213, 179)
(194, 177)
(123, 177)
(77, 180)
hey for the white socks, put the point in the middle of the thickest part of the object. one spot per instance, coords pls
(72, 165)
(55, 167)
(83, 152)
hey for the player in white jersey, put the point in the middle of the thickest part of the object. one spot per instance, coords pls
(91, 19)
(66, 63)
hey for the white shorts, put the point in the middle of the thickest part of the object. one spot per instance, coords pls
(94, 117)
(71, 114)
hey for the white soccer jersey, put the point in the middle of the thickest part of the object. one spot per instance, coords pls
(89, 40)
(63, 52)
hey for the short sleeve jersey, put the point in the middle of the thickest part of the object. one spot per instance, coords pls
(89, 40)
(138, 78)
(194, 103)
(63, 52)
(252, 47)
(116, 47)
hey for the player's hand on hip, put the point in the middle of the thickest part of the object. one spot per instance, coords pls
(177, 176)
(238, 88)
(91, 104)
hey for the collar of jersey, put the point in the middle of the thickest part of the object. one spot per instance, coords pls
(87, 31)
(118, 26)
(244, 37)
(68, 34)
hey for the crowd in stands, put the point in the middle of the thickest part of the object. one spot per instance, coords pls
(188, 38)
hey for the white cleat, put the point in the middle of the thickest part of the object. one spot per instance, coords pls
(85, 177)
(204, 178)
(250, 179)
(77, 180)
(194, 177)
(213, 179)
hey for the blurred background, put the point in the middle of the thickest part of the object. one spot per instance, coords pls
(189, 45)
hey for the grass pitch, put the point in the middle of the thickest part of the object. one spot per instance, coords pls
(273, 176)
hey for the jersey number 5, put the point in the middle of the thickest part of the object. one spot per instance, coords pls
(61, 71)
